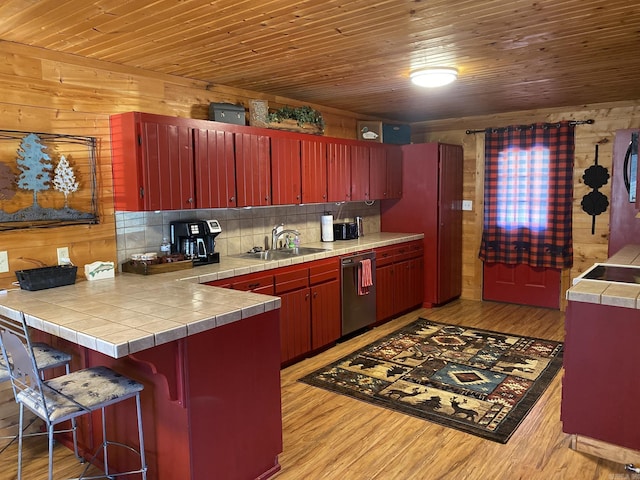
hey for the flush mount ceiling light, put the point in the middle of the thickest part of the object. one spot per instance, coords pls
(434, 77)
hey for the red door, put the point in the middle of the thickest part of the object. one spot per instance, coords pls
(338, 172)
(325, 314)
(295, 324)
(378, 184)
(167, 166)
(314, 171)
(215, 169)
(521, 284)
(360, 172)
(285, 171)
(253, 170)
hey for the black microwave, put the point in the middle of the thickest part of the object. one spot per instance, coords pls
(345, 231)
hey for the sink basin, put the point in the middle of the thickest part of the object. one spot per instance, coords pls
(281, 254)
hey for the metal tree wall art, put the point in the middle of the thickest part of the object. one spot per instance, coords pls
(36, 194)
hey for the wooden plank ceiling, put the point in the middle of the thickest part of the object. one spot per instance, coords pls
(357, 54)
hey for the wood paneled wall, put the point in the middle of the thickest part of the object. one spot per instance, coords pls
(588, 248)
(44, 91)
(50, 92)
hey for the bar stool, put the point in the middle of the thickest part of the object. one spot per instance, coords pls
(66, 397)
(47, 358)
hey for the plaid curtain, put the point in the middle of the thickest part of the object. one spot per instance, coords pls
(528, 195)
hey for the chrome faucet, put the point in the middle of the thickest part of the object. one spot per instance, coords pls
(277, 232)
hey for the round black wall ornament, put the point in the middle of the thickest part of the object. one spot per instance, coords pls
(594, 203)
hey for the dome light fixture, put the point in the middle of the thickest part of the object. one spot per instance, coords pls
(434, 76)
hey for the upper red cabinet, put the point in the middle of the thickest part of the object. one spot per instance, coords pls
(215, 169)
(170, 163)
(286, 176)
(152, 162)
(313, 162)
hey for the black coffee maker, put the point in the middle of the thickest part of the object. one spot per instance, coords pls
(195, 239)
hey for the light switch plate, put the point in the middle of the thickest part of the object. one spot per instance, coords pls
(467, 205)
(4, 262)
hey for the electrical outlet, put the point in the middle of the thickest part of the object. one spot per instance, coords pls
(467, 204)
(4, 262)
(63, 256)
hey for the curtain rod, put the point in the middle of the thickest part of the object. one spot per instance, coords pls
(573, 122)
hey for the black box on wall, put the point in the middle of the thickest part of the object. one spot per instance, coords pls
(227, 113)
(398, 134)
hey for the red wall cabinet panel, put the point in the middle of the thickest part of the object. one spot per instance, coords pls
(378, 181)
(338, 172)
(215, 171)
(314, 171)
(152, 162)
(360, 170)
(286, 176)
(253, 170)
(394, 172)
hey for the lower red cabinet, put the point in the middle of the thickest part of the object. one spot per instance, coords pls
(295, 324)
(326, 324)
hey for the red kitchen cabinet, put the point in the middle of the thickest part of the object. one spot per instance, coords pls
(326, 311)
(360, 170)
(292, 286)
(394, 172)
(314, 171)
(431, 204)
(399, 278)
(286, 176)
(599, 388)
(215, 171)
(253, 169)
(152, 162)
(338, 172)
(378, 181)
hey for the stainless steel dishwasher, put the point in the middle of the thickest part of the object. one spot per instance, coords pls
(358, 311)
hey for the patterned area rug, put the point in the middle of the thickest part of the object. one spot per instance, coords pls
(478, 381)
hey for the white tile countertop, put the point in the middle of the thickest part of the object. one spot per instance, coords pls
(129, 313)
(609, 292)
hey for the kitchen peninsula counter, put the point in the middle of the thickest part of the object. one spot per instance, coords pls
(209, 358)
(599, 387)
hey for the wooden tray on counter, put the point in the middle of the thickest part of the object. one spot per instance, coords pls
(143, 268)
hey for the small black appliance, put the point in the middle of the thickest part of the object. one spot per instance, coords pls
(195, 239)
(345, 231)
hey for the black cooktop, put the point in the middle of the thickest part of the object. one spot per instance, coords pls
(614, 273)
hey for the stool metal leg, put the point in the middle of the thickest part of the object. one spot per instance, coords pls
(143, 461)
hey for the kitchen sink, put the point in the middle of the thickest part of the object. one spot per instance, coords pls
(280, 254)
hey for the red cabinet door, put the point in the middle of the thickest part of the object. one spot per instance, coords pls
(338, 172)
(326, 326)
(385, 288)
(167, 166)
(295, 324)
(378, 173)
(215, 171)
(253, 170)
(285, 171)
(394, 171)
(360, 172)
(314, 171)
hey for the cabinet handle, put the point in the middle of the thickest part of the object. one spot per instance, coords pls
(253, 285)
(315, 294)
(306, 297)
(190, 200)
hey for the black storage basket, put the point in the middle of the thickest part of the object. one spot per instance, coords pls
(47, 277)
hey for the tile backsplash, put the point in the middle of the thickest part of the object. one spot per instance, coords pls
(242, 228)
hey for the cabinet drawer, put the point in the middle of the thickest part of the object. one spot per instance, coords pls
(323, 271)
(263, 284)
(386, 255)
(409, 250)
(291, 280)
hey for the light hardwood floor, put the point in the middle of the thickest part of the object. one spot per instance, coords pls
(329, 436)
